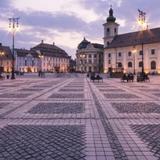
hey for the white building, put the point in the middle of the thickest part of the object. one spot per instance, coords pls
(26, 60)
(123, 52)
(89, 57)
(52, 58)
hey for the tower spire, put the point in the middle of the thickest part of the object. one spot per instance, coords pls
(111, 18)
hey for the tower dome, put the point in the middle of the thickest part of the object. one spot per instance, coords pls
(111, 18)
(83, 44)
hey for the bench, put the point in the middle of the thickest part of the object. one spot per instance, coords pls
(143, 78)
(127, 78)
(93, 78)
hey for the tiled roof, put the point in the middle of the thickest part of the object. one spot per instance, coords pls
(25, 52)
(136, 38)
(96, 45)
(50, 50)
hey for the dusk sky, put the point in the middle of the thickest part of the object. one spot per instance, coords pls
(66, 22)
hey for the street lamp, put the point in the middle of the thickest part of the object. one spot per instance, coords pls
(142, 24)
(134, 51)
(13, 27)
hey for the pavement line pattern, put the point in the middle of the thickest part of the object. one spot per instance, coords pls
(117, 149)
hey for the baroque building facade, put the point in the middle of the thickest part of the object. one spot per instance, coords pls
(123, 52)
(89, 57)
(43, 57)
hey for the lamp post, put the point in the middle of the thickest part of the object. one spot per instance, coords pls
(142, 24)
(13, 27)
(134, 51)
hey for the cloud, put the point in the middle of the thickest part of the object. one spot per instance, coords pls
(68, 7)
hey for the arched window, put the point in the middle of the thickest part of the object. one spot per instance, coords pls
(119, 65)
(153, 65)
(140, 64)
(108, 30)
(129, 64)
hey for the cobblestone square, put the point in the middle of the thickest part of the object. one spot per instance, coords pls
(137, 107)
(57, 108)
(42, 142)
(71, 95)
(76, 119)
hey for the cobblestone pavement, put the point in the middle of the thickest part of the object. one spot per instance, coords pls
(75, 119)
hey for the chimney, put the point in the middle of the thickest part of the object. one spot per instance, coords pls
(42, 41)
(53, 43)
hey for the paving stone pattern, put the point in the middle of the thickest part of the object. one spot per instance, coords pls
(151, 135)
(42, 142)
(113, 96)
(2, 105)
(71, 90)
(137, 107)
(75, 119)
(111, 90)
(14, 95)
(76, 95)
(30, 89)
(58, 108)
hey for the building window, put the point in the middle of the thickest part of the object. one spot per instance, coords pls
(129, 64)
(108, 30)
(152, 51)
(90, 56)
(95, 56)
(109, 61)
(90, 61)
(119, 54)
(107, 43)
(153, 65)
(129, 54)
(140, 64)
(119, 65)
(109, 55)
(140, 53)
(115, 30)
